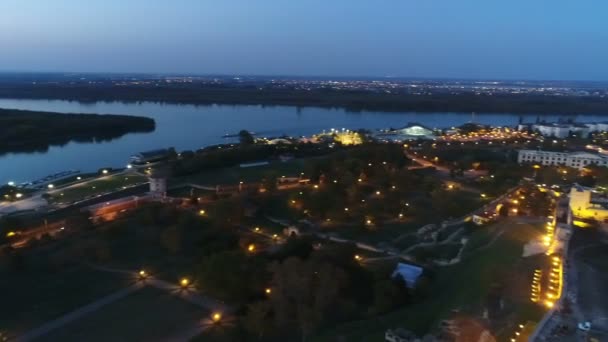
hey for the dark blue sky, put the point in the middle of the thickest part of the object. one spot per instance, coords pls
(524, 39)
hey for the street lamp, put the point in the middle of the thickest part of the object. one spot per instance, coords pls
(142, 274)
(216, 317)
(268, 290)
(184, 282)
(251, 248)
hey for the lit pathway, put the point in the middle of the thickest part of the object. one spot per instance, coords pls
(74, 315)
(188, 294)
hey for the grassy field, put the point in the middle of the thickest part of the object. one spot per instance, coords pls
(146, 315)
(234, 175)
(96, 187)
(463, 286)
(32, 297)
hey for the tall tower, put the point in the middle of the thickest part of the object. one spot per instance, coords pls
(158, 182)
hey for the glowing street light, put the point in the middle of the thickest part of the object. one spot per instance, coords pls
(202, 212)
(268, 290)
(105, 172)
(142, 274)
(358, 257)
(251, 248)
(216, 317)
(184, 282)
(50, 186)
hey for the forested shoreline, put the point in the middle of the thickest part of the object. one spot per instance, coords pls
(350, 100)
(30, 131)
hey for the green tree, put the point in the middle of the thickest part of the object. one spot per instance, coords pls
(305, 293)
(246, 138)
(257, 320)
(232, 275)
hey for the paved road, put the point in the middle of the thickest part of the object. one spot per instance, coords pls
(586, 293)
(30, 203)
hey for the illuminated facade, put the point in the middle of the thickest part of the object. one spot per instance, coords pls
(577, 160)
(585, 204)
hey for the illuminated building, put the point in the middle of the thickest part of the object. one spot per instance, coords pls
(586, 204)
(577, 160)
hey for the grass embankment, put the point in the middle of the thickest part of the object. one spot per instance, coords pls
(463, 286)
(99, 186)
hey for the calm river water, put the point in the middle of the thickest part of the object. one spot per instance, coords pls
(192, 127)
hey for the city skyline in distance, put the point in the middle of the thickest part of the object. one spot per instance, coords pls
(400, 39)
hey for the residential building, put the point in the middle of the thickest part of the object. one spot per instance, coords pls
(588, 204)
(577, 160)
(563, 130)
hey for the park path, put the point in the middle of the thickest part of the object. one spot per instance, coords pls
(78, 313)
(186, 294)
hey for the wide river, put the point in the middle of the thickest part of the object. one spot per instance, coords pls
(192, 127)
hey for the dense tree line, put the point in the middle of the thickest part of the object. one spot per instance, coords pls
(36, 131)
(348, 99)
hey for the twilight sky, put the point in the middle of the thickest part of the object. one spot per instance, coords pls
(525, 39)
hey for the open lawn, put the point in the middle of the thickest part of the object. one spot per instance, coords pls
(463, 286)
(234, 175)
(33, 296)
(147, 315)
(96, 187)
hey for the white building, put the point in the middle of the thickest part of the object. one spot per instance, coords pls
(558, 130)
(158, 185)
(576, 160)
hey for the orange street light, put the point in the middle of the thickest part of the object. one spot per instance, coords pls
(268, 290)
(216, 317)
(251, 248)
(184, 282)
(143, 274)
